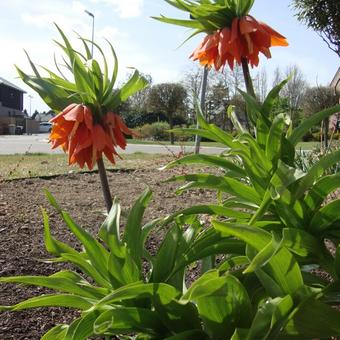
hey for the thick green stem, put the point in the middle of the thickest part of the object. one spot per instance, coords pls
(249, 87)
(105, 184)
(247, 78)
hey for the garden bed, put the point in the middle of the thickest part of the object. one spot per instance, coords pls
(21, 231)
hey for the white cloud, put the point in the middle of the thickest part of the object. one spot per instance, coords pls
(125, 8)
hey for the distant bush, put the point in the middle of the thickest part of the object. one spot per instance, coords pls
(158, 132)
(155, 131)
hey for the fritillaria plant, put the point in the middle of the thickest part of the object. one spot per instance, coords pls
(87, 126)
(232, 35)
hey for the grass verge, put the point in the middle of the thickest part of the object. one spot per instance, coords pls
(40, 164)
(302, 145)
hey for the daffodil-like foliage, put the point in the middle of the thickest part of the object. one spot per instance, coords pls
(232, 34)
(87, 125)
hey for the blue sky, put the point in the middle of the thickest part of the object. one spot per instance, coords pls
(141, 42)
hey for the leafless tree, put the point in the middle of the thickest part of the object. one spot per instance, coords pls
(294, 90)
(261, 84)
(277, 76)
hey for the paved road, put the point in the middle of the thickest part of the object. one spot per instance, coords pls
(38, 143)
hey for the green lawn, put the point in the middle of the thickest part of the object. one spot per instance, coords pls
(167, 142)
(38, 165)
(302, 145)
(45, 165)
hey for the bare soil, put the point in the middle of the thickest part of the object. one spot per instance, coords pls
(21, 231)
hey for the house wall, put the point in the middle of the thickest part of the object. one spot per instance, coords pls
(4, 122)
(10, 97)
(31, 126)
(335, 84)
(9, 112)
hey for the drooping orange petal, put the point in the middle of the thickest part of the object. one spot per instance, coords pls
(122, 126)
(88, 118)
(244, 40)
(248, 24)
(75, 114)
(120, 138)
(99, 137)
(62, 113)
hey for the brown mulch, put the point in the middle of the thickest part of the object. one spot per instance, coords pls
(21, 231)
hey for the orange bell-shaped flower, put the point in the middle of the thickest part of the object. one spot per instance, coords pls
(245, 39)
(85, 141)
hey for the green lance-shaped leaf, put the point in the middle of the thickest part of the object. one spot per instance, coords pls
(133, 230)
(282, 267)
(265, 255)
(207, 160)
(219, 135)
(237, 124)
(52, 245)
(321, 189)
(123, 270)
(56, 333)
(81, 76)
(121, 266)
(209, 243)
(222, 302)
(232, 262)
(258, 156)
(189, 335)
(337, 262)
(121, 319)
(167, 256)
(275, 136)
(308, 123)
(61, 300)
(56, 98)
(272, 97)
(97, 269)
(80, 260)
(97, 254)
(64, 281)
(325, 217)
(315, 172)
(283, 177)
(208, 209)
(270, 317)
(185, 23)
(312, 319)
(254, 109)
(109, 87)
(135, 84)
(301, 242)
(83, 327)
(262, 131)
(109, 230)
(140, 290)
(224, 184)
(176, 316)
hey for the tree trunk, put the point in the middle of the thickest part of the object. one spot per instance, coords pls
(171, 123)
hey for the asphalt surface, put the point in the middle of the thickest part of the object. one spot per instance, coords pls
(39, 143)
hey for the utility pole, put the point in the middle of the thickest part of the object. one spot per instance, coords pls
(203, 94)
(30, 97)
